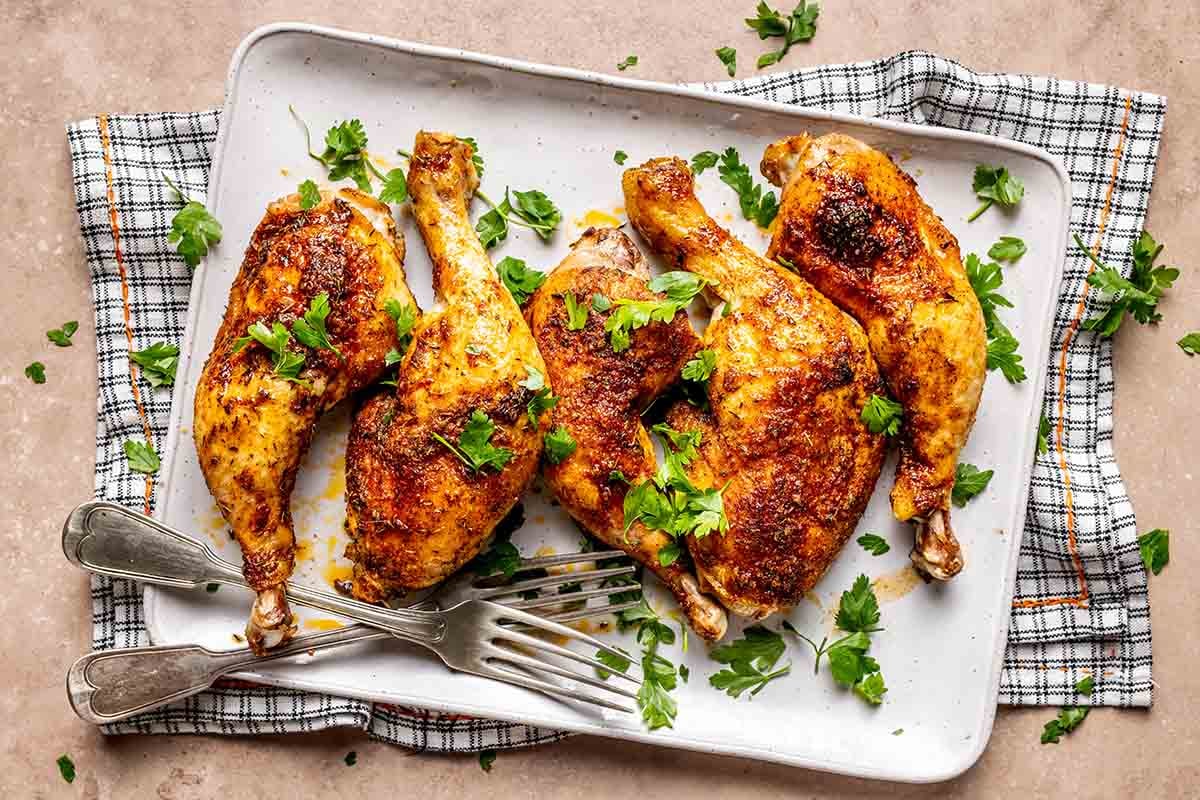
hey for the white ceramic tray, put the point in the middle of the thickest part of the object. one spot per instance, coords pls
(557, 129)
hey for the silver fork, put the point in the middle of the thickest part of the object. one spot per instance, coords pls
(107, 686)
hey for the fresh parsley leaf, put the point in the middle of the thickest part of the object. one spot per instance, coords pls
(683, 443)
(141, 457)
(669, 501)
(577, 313)
(609, 659)
(66, 768)
(520, 280)
(995, 185)
(874, 544)
(703, 160)
(487, 758)
(620, 157)
(542, 399)
(680, 287)
(1008, 248)
(158, 363)
(669, 553)
(474, 447)
(476, 158)
(882, 415)
(1002, 354)
(559, 445)
(859, 610)
(193, 229)
(968, 482)
(492, 227)
(1086, 685)
(871, 688)
(501, 557)
(537, 210)
(310, 195)
(1068, 720)
(848, 659)
(62, 336)
(750, 662)
(1155, 548)
(36, 372)
(395, 187)
(985, 279)
(630, 61)
(658, 679)
(600, 303)
(684, 672)
(1190, 343)
(351, 758)
(212, 588)
(286, 363)
(345, 154)
(799, 26)
(1138, 295)
(310, 329)
(1043, 434)
(758, 206)
(728, 57)
(405, 318)
(849, 664)
(700, 367)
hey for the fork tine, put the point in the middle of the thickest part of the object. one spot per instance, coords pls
(570, 597)
(566, 652)
(590, 611)
(507, 654)
(492, 670)
(568, 558)
(550, 581)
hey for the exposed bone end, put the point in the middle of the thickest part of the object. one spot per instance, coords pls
(706, 615)
(270, 622)
(936, 554)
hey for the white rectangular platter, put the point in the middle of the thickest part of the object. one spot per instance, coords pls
(557, 129)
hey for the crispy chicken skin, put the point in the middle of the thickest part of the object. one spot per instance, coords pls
(784, 432)
(853, 224)
(415, 512)
(251, 426)
(602, 395)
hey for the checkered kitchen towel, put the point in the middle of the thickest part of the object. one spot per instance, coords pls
(1081, 604)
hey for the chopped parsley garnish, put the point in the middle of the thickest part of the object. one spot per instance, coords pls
(542, 399)
(1085, 685)
(1068, 720)
(474, 446)
(882, 415)
(751, 662)
(758, 206)
(873, 543)
(286, 363)
(1190, 343)
(700, 368)
(620, 157)
(1008, 248)
(62, 336)
(968, 482)
(799, 26)
(728, 57)
(680, 287)
(158, 363)
(985, 279)
(193, 229)
(1138, 295)
(476, 158)
(501, 557)
(487, 758)
(1155, 548)
(670, 502)
(577, 313)
(36, 372)
(520, 280)
(995, 185)
(630, 61)
(405, 318)
(395, 187)
(310, 329)
(141, 457)
(351, 758)
(1043, 434)
(705, 159)
(531, 209)
(310, 195)
(66, 768)
(559, 445)
(600, 303)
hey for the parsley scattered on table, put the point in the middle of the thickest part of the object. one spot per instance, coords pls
(968, 482)
(1137, 295)
(1043, 434)
(882, 415)
(62, 336)
(1068, 720)
(519, 279)
(620, 157)
(36, 372)
(705, 159)
(728, 57)
(487, 758)
(1155, 548)
(351, 758)
(1008, 248)
(310, 329)
(542, 399)
(751, 662)
(873, 543)
(577, 313)
(193, 229)
(985, 279)
(158, 363)
(700, 368)
(559, 445)
(1085, 685)
(310, 195)
(995, 185)
(680, 287)
(474, 446)
(287, 363)
(758, 206)
(141, 457)
(799, 26)
(630, 61)
(66, 768)
(1190, 343)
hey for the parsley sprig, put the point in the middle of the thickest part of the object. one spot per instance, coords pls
(873, 543)
(310, 329)
(345, 156)
(700, 368)
(542, 400)
(405, 318)
(519, 279)
(728, 57)
(559, 445)
(1136, 296)
(799, 26)
(140, 456)
(158, 363)
(758, 206)
(985, 278)
(680, 288)
(531, 209)
(287, 363)
(751, 662)
(995, 185)
(1155, 548)
(61, 337)
(882, 415)
(474, 447)
(969, 481)
(193, 229)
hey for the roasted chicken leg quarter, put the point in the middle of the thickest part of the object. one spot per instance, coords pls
(853, 224)
(255, 410)
(783, 436)
(601, 397)
(435, 463)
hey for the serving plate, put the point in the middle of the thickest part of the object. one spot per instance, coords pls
(557, 129)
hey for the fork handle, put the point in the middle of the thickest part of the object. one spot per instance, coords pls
(110, 685)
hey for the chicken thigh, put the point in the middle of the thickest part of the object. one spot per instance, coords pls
(255, 412)
(783, 434)
(852, 223)
(435, 463)
(601, 396)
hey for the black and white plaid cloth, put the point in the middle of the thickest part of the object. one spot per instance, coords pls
(1081, 605)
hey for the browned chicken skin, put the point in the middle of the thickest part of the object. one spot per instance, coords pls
(415, 511)
(252, 426)
(602, 395)
(784, 432)
(852, 223)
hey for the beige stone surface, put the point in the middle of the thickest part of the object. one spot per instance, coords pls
(61, 61)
